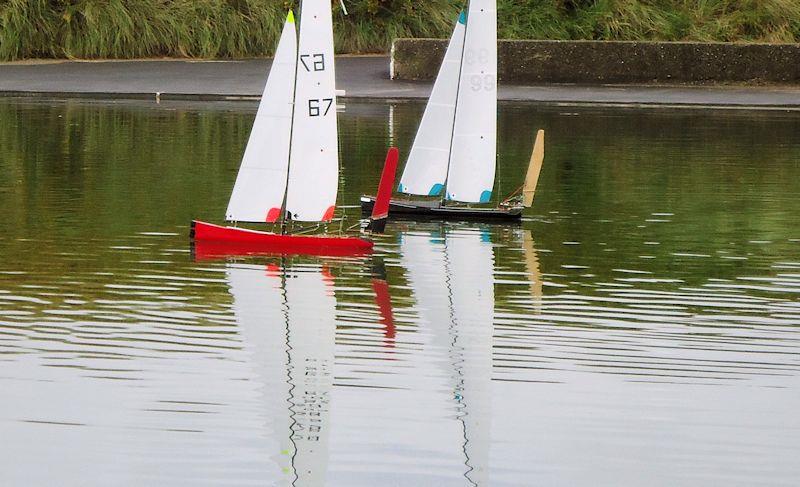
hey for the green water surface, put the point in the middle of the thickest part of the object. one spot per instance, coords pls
(641, 324)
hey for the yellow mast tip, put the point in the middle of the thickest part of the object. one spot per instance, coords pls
(290, 17)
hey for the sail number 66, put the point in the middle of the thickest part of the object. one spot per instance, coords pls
(314, 107)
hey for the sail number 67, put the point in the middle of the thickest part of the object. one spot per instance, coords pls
(315, 107)
(317, 62)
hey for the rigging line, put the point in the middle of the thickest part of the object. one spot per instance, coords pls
(498, 172)
(458, 92)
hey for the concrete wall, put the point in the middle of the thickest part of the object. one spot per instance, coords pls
(591, 62)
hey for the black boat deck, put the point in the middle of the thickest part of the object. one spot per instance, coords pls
(433, 209)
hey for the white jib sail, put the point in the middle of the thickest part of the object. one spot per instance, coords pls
(473, 156)
(426, 167)
(314, 159)
(261, 184)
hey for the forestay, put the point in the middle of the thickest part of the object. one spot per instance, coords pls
(261, 184)
(426, 168)
(473, 155)
(314, 156)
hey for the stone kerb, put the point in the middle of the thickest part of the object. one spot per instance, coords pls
(599, 62)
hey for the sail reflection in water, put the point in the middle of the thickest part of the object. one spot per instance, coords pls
(451, 277)
(287, 315)
(288, 322)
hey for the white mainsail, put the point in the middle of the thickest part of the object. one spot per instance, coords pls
(261, 184)
(426, 167)
(314, 156)
(473, 155)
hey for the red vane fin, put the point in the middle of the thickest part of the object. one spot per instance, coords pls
(381, 209)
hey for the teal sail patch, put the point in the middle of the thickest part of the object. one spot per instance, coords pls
(462, 18)
(401, 188)
(436, 189)
(486, 196)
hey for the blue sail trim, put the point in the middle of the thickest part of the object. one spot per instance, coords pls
(436, 189)
(486, 196)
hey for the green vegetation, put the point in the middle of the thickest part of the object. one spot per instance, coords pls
(241, 28)
(197, 28)
(658, 20)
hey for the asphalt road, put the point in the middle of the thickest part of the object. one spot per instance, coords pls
(359, 76)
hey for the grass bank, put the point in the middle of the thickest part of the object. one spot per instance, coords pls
(246, 28)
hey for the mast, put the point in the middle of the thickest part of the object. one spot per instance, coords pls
(291, 125)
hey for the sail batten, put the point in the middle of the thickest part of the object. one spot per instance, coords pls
(426, 167)
(261, 183)
(314, 156)
(473, 154)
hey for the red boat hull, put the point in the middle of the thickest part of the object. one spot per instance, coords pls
(216, 241)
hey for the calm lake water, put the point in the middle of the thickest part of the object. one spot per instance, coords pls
(641, 326)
